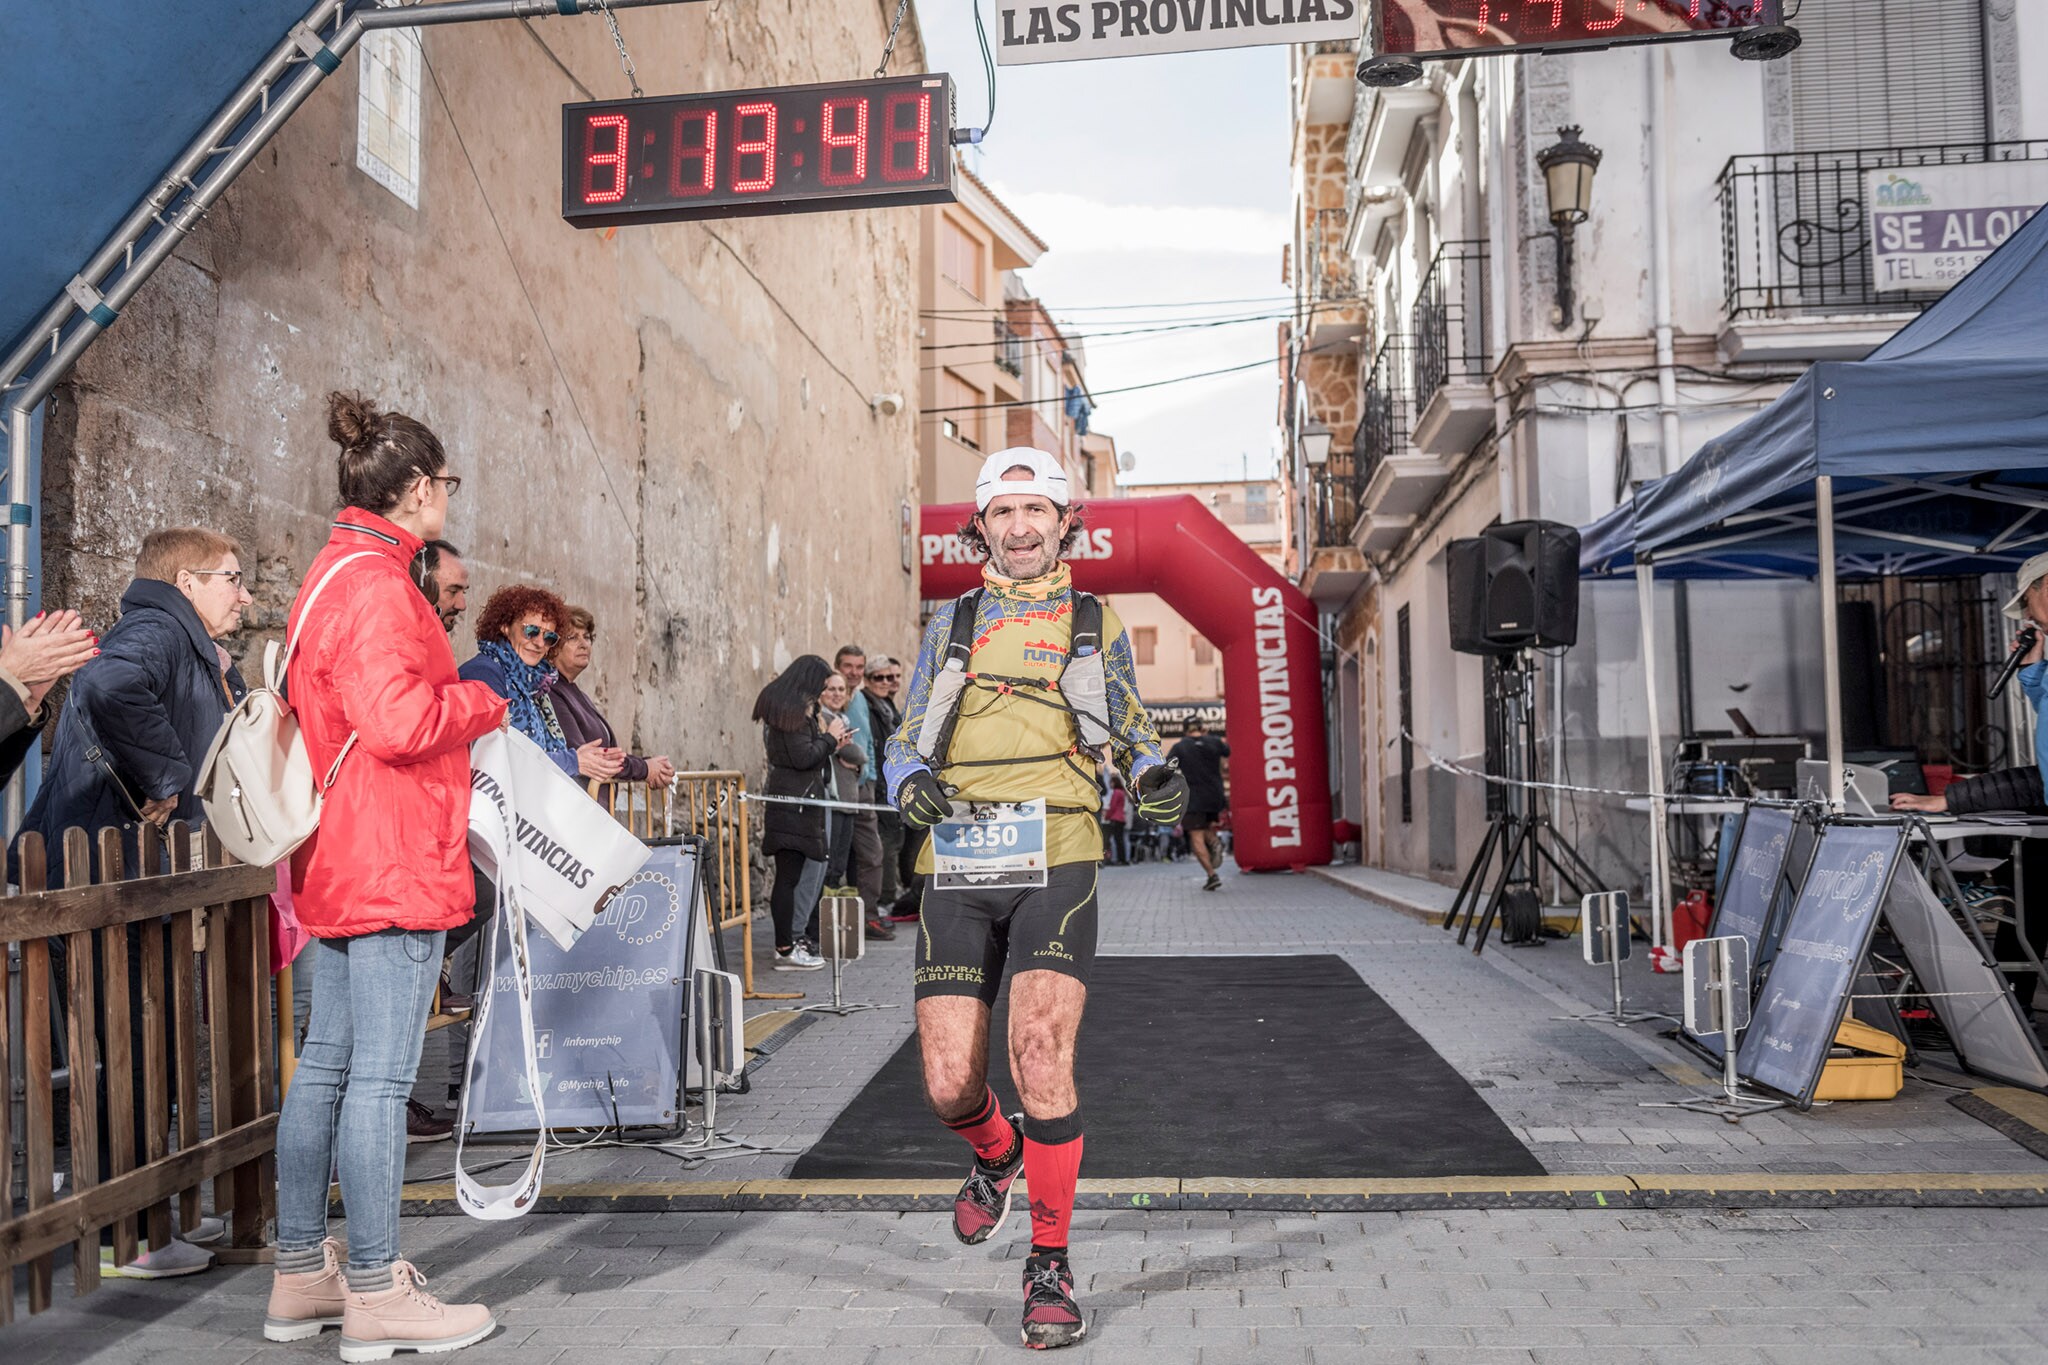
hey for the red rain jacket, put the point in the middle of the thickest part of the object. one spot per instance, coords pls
(392, 850)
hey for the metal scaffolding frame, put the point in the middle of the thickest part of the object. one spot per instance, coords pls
(93, 299)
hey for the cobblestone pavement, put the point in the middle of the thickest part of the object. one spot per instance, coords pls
(1571, 1091)
(1844, 1287)
(1858, 1286)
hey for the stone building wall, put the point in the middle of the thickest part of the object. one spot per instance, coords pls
(670, 425)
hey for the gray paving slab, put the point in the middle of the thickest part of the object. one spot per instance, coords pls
(1841, 1284)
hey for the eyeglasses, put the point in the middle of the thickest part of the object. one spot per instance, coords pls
(233, 576)
(454, 482)
(884, 677)
(536, 633)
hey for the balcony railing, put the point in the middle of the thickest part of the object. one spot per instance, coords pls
(1386, 412)
(1795, 227)
(1449, 321)
(1333, 500)
(1009, 348)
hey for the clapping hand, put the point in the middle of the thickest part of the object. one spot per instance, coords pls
(595, 760)
(53, 645)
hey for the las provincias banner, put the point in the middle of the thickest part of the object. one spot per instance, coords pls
(1074, 32)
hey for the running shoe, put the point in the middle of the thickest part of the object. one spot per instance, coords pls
(878, 928)
(983, 1204)
(1051, 1317)
(798, 959)
(1215, 883)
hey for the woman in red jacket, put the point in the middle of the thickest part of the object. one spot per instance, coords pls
(374, 687)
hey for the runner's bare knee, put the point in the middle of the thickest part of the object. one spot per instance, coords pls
(952, 1033)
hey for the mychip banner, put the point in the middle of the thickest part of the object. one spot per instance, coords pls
(1074, 32)
(608, 1013)
(1932, 225)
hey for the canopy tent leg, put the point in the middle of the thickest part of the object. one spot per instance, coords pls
(1830, 634)
(1660, 870)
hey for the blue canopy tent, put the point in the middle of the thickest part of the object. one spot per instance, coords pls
(1928, 456)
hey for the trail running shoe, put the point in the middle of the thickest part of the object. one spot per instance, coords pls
(1215, 883)
(1051, 1317)
(983, 1204)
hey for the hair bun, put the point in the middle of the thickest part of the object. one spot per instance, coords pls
(350, 420)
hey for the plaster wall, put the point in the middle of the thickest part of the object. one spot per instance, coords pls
(667, 424)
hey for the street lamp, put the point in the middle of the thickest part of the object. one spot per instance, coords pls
(1568, 166)
(1315, 444)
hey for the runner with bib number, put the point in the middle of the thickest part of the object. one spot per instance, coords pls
(1019, 686)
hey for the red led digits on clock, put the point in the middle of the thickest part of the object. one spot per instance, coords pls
(895, 135)
(835, 136)
(763, 147)
(704, 152)
(615, 159)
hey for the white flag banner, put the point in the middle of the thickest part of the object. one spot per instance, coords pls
(1051, 31)
(555, 855)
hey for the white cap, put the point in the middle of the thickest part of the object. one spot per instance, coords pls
(2031, 573)
(1047, 478)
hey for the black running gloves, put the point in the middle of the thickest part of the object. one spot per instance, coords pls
(923, 801)
(1162, 794)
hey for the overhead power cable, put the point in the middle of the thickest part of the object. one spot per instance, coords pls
(1128, 388)
(1091, 337)
(1270, 299)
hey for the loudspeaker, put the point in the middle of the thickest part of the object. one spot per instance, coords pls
(1513, 587)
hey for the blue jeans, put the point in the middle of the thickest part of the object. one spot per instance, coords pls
(355, 1074)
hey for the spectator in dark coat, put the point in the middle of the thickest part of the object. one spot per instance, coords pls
(581, 721)
(50, 646)
(799, 746)
(2005, 789)
(142, 715)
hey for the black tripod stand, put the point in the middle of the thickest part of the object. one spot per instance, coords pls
(1518, 828)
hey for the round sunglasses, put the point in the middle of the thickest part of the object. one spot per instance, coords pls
(536, 633)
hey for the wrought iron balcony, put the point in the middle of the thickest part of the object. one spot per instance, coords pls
(1333, 500)
(1449, 321)
(1009, 348)
(1795, 227)
(1385, 411)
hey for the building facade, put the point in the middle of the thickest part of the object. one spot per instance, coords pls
(1453, 363)
(673, 425)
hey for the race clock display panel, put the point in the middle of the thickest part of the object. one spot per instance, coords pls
(1475, 28)
(738, 153)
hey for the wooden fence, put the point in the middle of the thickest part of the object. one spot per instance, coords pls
(199, 921)
(713, 806)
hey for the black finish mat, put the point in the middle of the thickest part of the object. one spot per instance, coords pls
(1248, 1067)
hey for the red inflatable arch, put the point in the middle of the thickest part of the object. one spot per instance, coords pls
(1272, 661)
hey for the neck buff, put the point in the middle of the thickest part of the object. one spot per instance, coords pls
(533, 715)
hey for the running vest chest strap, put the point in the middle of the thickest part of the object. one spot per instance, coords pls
(1082, 691)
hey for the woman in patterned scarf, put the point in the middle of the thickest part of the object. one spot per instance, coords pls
(516, 638)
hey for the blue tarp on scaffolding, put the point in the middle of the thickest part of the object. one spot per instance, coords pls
(1938, 443)
(97, 99)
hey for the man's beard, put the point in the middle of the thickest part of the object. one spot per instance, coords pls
(1044, 558)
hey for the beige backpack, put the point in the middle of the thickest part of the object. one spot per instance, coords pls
(257, 780)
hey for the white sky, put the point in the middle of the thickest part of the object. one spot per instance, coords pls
(1155, 181)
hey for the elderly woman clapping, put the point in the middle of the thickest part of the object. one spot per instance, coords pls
(517, 637)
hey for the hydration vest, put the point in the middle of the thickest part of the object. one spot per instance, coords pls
(1082, 690)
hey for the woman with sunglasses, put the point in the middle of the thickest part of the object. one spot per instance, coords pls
(517, 638)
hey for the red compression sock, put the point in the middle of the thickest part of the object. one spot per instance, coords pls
(990, 1134)
(1052, 1165)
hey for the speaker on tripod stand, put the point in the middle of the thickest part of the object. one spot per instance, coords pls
(1514, 588)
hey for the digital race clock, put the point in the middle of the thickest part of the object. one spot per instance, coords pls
(1423, 29)
(788, 149)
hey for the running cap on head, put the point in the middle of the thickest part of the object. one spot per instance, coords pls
(2031, 572)
(1047, 478)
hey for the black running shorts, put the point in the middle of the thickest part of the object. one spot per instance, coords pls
(1204, 818)
(966, 936)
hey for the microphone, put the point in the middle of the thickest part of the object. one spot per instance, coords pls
(2025, 641)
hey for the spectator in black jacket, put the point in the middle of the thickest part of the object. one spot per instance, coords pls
(800, 744)
(141, 716)
(2007, 789)
(50, 646)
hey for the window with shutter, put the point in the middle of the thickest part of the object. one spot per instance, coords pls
(1888, 73)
